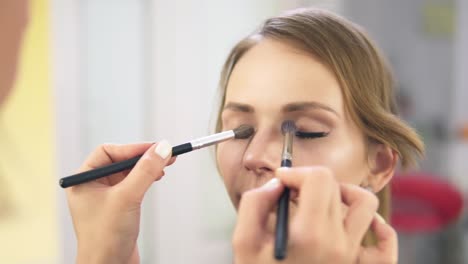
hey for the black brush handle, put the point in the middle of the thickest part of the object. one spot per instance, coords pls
(181, 149)
(114, 168)
(98, 173)
(281, 235)
(281, 241)
(286, 163)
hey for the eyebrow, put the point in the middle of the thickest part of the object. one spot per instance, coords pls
(288, 108)
(303, 106)
(238, 107)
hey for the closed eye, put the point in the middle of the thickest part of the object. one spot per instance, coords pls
(310, 135)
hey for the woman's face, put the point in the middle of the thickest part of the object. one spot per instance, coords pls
(274, 82)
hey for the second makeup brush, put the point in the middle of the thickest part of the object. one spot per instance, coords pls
(288, 128)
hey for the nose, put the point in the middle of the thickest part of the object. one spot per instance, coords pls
(263, 154)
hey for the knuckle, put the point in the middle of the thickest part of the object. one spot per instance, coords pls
(104, 150)
(105, 147)
(309, 240)
(338, 253)
(98, 157)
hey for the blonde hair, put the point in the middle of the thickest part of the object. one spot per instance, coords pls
(363, 74)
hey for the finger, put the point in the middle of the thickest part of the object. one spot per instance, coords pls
(315, 186)
(386, 249)
(362, 206)
(147, 170)
(296, 176)
(253, 212)
(171, 161)
(336, 209)
(386, 236)
(109, 153)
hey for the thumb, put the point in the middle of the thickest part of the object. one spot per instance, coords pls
(148, 169)
(254, 209)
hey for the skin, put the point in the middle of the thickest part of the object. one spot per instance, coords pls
(324, 178)
(319, 231)
(93, 205)
(13, 22)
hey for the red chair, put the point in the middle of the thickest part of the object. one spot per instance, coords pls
(422, 203)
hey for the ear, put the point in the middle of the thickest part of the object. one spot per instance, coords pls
(382, 164)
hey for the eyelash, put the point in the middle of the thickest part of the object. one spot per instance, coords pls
(310, 135)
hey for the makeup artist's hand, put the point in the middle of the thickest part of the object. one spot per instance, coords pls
(106, 212)
(319, 231)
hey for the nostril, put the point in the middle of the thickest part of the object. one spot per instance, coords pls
(264, 169)
(256, 168)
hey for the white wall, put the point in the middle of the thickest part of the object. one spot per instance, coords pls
(99, 84)
(112, 71)
(66, 85)
(460, 97)
(458, 154)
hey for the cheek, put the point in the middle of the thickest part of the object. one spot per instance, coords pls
(229, 158)
(347, 160)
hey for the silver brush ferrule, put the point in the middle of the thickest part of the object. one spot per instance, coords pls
(287, 146)
(212, 139)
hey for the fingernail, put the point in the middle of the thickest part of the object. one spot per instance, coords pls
(380, 218)
(272, 184)
(163, 149)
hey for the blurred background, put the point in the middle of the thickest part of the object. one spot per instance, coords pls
(129, 70)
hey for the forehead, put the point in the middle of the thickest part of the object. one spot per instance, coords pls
(272, 74)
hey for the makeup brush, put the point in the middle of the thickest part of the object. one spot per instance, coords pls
(242, 132)
(281, 237)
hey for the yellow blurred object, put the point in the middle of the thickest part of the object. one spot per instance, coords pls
(28, 225)
(439, 18)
